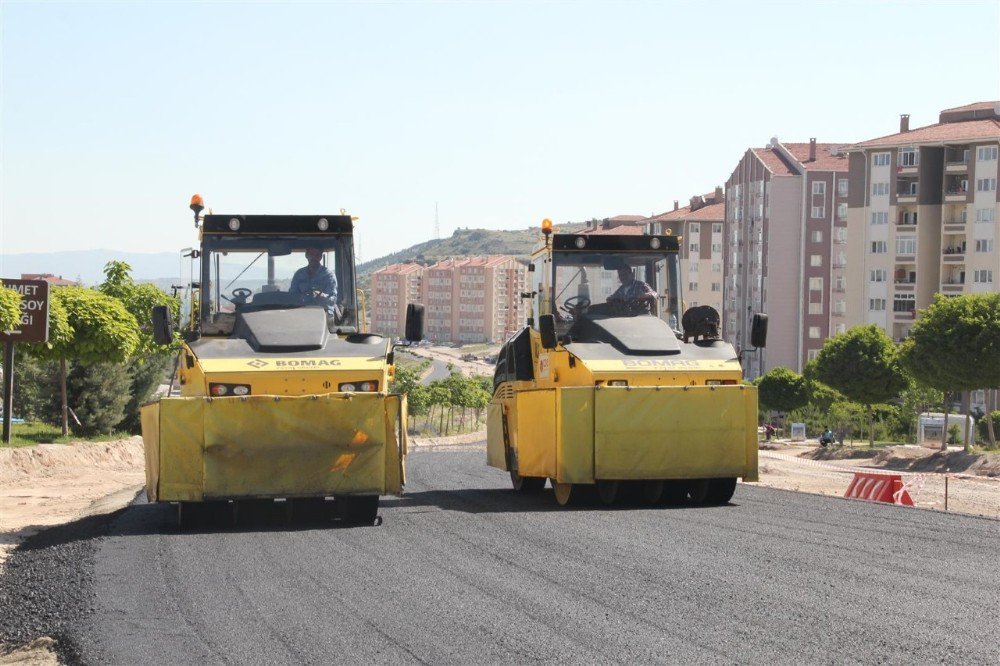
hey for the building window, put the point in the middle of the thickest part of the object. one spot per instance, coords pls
(717, 267)
(694, 228)
(985, 153)
(840, 235)
(986, 185)
(985, 214)
(815, 260)
(817, 236)
(840, 307)
(839, 283)
(984, 276)
(881, 159)
(814, 332)
(984, 245)
(842, 187)
(716, 248)
(876, 304)
(842, 211)
(877, 275)
(818, 211)
(840, 329)
(815, 308)
(716, 228)
(879, 247)
(909, 157)
(694, 248)
(692, 286)
(880, 218)
(904, 303)
(819, 187)
(716, 286)
(880, 189)
(906, 246)
(811, 354)
(816, 284)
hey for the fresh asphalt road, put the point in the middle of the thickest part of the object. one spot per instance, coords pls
(464, 571)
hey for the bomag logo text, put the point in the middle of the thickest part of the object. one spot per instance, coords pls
(659, 363)
(307, 363)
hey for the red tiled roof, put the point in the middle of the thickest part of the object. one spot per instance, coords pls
(626, 218)
(774, 161)
(715, 212)
(967, 130)
(825, 159)
(53, 280)
(620, 230)
(975, 106)
(396, 269)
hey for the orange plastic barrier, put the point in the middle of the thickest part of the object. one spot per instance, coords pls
(876, 487)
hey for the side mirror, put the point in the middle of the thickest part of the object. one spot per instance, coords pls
(414, 322)
(758, 331)
(547, 327)
(163, 332)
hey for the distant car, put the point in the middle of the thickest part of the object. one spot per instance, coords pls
(492, 360)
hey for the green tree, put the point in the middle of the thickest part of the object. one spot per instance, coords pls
(914, 401)
(150, 361)
(862, 365)
(97, 329)
(99, 394)
(10, 309)
(782, 390)
(955, 346)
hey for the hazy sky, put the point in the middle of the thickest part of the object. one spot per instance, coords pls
(113, 114)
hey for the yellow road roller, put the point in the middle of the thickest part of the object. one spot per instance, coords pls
(614, 388)
(283, 395)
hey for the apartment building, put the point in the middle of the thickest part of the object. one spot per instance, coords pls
(785, 250)
(392, 289)
(924, 218)
(476, 299)
(700, 225)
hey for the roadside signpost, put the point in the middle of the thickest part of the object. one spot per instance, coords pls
(34, 327)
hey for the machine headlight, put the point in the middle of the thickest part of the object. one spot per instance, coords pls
(323, 224)
(234, 224)
(363, 387)
(654, 243)
(580, 242)
(220, 390)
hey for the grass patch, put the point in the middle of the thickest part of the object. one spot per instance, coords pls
(30, 434)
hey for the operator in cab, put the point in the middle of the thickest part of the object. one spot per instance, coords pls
(314, 281)
(632, 292)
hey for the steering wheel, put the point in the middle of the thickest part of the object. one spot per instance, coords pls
(240, 295)
(575, 304)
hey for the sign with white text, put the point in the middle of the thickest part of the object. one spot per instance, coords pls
(34, 326)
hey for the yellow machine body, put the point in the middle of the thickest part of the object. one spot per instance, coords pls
(667, 423)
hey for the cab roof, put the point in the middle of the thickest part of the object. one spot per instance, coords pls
(610, 243)
(296, 225)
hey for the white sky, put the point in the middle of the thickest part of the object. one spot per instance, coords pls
(113, 114)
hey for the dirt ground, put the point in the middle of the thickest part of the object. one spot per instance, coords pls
(54, 483)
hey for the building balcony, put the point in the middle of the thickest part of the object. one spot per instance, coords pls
(956, 167)
(906, 197)
(907, 170)
(904, 315)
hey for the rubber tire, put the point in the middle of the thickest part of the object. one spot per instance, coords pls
(564, 493)
(526, 484)
(356, 509)
(607, 492)
(720, 491)
(651, 492)
(697, 490)
(675, 493)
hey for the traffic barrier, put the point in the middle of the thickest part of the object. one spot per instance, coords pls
(876, 487)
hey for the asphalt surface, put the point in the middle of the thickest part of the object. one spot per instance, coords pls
(464, 571)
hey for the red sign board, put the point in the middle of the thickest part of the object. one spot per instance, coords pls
(34, 325)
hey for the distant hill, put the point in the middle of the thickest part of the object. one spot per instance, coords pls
(163, 268)
(88, 265)
(467, 243)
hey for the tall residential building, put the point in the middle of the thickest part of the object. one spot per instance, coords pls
(785, 251)
(474, 300)
(700, 225)
(924, 217)
(392, 289)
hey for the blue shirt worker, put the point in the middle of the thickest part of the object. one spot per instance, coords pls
(315, 280)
